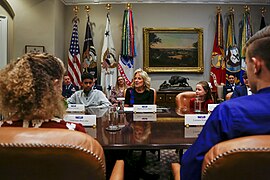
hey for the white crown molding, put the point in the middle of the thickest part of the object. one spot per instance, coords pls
(244, 2)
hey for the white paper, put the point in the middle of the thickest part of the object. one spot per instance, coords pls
(75, 108)
(145, 108)
(211, 107)
(144, 117)
(85, 120)
(196, 119)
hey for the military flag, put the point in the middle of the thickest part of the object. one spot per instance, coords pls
(74, 63)
(108, 60)
(128, 50)
(218, 70)
(232, 52)
(245, 34)
(89, 51)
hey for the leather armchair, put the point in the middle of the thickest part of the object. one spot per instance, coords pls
(43, 153)
(182, 102)
(240, 158)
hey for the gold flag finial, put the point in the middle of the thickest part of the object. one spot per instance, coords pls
(219, 9)
(128, 6)
(231, 10)
(76, 10)
(108, 6)
(247, 8)
(263, 10)
(87, 8)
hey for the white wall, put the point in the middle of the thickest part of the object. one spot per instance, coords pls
(159, 16)
(48, 23)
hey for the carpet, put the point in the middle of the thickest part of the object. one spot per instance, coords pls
(161, 167)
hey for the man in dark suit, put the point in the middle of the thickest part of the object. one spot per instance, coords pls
(96, 85)
(242, 90)
(230, 86)
(68, 88)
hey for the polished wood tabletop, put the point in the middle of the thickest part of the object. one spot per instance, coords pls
(162, 130)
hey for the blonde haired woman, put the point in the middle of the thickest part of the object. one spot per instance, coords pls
(118, 90)
(30, 93)
(140, 92)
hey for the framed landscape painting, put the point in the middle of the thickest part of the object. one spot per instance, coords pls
(173, 50)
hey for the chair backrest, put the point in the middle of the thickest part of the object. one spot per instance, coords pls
(43, 153)
(182, 101)
(155, 95)
(241, 158)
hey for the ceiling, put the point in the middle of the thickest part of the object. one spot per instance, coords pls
(246, 2)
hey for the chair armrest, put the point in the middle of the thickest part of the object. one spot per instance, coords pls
(118, 170)
(176, 170)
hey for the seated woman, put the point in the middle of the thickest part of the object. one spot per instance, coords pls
(140, 92)
(118, 90)
(203, 92)
(30, 93)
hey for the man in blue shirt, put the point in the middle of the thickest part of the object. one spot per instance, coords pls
(243, 116)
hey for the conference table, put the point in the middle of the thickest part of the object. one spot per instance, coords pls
(164, 129)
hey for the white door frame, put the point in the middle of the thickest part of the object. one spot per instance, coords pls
(3, 41)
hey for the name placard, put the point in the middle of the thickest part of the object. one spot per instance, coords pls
(145, 108)
(196, 119)
(193, 132)
(85, 120)
(75, 108)
(211, 107)
(144, 117)
(120, 99)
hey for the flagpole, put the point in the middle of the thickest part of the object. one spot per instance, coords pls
(74, 62)
(109, 7)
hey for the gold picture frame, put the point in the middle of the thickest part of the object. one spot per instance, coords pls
(173, 50)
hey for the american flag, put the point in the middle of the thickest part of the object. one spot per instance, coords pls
(74, 63)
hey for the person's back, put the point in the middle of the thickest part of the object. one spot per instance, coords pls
(30, 93)
(243, 116)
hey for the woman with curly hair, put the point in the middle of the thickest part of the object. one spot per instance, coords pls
(30, 93)
(140, 92)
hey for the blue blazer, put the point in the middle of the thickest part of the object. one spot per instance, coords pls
(239, 91)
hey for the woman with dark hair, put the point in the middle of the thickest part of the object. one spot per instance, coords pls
(203, 93)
